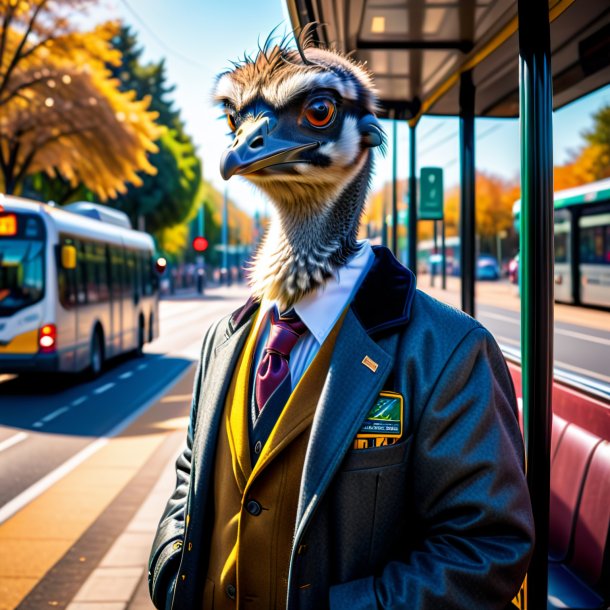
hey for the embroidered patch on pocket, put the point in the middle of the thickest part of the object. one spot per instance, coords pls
(383, 424)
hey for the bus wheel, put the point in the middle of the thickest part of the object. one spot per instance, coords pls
(96, 363)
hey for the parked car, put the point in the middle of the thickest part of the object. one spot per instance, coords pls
(487, 268)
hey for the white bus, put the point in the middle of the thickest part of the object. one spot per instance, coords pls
(77, 286)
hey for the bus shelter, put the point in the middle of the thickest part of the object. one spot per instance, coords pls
(486, 58)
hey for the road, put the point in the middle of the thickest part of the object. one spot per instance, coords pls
(50, 429)
(582, 335)
(578, 349)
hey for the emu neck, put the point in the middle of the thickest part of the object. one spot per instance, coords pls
(308, 242)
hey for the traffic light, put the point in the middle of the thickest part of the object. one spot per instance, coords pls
(200, 244)
(161, 265)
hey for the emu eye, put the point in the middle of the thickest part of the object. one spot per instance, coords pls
(231, 122)
(320, 112)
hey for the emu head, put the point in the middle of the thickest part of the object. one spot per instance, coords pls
(302, 123)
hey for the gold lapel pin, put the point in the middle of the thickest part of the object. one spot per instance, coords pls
(370, 364)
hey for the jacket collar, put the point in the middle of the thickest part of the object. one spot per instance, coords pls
(382, 302)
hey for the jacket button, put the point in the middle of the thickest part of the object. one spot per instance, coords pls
(231, 591)
(258, 447)
(254, 508)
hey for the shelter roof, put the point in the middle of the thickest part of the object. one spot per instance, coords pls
(417, 49)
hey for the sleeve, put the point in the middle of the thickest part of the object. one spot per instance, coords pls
(472, 504)
(167, 546)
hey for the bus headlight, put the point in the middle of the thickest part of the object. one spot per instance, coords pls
(47, 338)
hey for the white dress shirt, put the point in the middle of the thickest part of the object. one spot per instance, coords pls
(319, 310)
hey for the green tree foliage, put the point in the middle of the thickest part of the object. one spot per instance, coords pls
(169, 197)
(598, 139)
(60, 112)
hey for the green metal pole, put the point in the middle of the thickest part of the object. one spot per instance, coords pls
(412, 215)
(467, 199)
(444, 255)
(394, 194)
(536, 236)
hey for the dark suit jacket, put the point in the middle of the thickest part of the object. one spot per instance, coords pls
(441, 520)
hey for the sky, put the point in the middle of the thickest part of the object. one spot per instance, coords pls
(199, 38)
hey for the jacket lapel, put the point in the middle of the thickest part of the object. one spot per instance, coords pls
(361, 363)
(212, 398)
(356, 375)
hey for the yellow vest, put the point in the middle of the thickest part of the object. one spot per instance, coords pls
(255, 509)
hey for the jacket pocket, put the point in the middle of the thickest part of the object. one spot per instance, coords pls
(376, 457)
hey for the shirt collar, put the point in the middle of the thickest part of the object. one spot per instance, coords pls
(321, 309)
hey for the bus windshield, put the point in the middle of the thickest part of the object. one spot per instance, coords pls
(21, 274)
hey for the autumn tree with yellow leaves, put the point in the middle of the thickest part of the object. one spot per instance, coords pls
(60, 112)
(590, 162)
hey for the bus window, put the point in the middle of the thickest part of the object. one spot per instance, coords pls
(101, 268)
(147, 273)
(21, 274)
(91, 274)
(561, 247)
(65, 277)
(116, 272)
(594, 243)
(137, 275)
(81, 273)
(129, 274)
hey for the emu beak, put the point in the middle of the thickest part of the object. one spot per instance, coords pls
(254, 148)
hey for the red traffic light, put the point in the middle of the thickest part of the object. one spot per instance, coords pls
(161, 265)
(200, 244)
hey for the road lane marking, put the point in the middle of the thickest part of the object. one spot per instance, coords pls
(558, 330)
(55, 512)
(50, 525)
(104, 388)
(562, 365)
(13, 440)
(126, 375)
(35, 490)
(56, 413)
(502, 339)
(584, 372)
(499, 316)
(177, 398)
(582, 336)
(78, 401)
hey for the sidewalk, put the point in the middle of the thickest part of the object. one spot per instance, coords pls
(105, 562)
(504, 295)
(120, 581)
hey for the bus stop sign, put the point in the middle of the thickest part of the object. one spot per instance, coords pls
(431, 194)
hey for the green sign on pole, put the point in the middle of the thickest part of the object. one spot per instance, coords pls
(431, 194)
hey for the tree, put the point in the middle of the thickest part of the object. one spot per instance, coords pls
(62, 114)
(590, 162)
(168, 197)
(598, 139)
